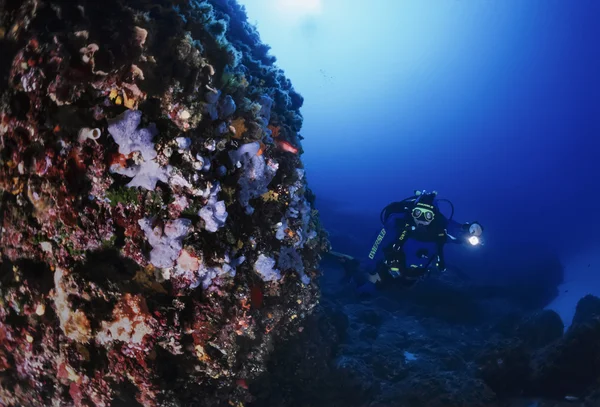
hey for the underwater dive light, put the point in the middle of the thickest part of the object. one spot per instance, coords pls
(474, 240)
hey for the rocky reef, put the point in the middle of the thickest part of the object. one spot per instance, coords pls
(398, 348)
(158, 235)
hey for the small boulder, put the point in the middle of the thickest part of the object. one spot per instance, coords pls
(587, 309)
(540, 329)
(570, 366)
(505, 367)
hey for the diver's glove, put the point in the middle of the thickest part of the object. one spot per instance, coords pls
(366, 282)
(373, 278)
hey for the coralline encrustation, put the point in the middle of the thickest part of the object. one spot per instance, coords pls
(149, 161)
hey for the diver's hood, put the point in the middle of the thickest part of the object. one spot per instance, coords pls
(426, 200)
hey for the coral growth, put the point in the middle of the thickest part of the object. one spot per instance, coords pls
(264, 266)
(124, 130)
(214, 212)
(167, 244)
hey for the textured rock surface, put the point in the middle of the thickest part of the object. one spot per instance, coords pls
(536, 359)
(571, 366)
(129, 233)
(400, 349)
(588, 309)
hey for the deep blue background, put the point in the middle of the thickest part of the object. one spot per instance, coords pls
(495, 104)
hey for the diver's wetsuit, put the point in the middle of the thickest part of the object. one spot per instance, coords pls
(418, 253)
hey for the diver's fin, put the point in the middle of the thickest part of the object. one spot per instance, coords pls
(340, 256)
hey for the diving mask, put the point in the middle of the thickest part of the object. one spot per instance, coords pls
(423, 215)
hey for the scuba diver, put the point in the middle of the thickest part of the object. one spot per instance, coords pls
(410, 246)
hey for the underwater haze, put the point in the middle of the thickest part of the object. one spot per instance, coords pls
(494, 104)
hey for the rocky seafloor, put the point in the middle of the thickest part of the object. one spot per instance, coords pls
(448, 342)
(158, 234)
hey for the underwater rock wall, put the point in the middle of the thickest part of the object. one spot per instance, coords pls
(158, 235)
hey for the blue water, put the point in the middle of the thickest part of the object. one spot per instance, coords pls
(495, 104)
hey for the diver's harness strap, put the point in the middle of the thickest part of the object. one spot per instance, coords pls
(396, 264)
